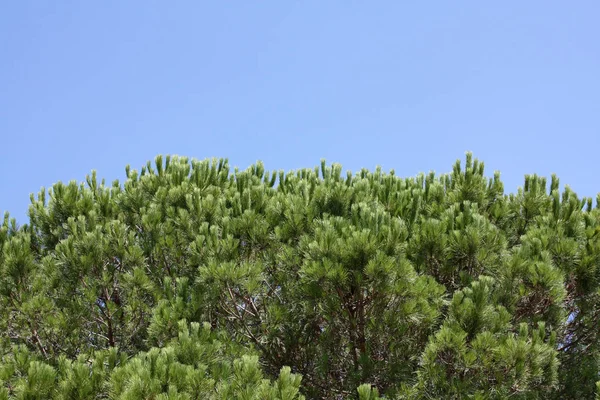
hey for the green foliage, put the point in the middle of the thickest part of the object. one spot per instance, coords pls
(478, 353)
(198, 364)
(191, 280)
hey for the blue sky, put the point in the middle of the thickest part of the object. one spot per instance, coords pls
(409, 86)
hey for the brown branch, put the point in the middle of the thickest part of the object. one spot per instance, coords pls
(353, 326)
(251, 302)
(110, 333)
(249, 334)
(233, 298)
(38, 342)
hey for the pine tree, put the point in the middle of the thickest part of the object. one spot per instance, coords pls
(194, 280)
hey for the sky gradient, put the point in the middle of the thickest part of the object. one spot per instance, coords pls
(410, 87)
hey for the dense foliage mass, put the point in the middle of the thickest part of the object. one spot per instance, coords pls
(191, 281)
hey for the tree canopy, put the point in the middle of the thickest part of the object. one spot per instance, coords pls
(190, 280)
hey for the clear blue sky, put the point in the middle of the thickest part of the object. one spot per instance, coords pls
(409, 86)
